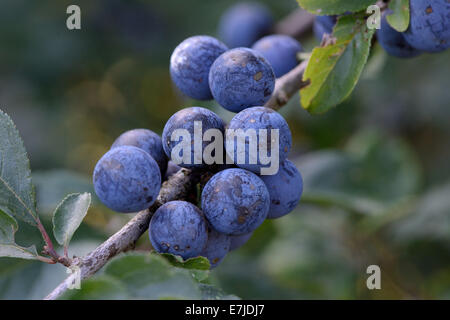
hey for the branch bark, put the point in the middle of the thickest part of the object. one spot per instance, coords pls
(181, 184)
(295, 24)
(287, 86)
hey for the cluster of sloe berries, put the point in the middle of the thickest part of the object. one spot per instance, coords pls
(428, 31)
(237, 198)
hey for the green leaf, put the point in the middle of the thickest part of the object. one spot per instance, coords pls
(146, 276)
(68, 216)
(330, 7)
(210, 292)
(17, 197)
(334, 70)
(399, 18)
(8, 247)
(199, 266)
(98, 288)
(374, 173)
(150, 276)
(199, 263)
(429, 219)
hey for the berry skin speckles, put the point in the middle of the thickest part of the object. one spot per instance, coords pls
(429, 28)
(190, 63)
(127, 179)
(179, 228)
(241, 78)
(235, 201)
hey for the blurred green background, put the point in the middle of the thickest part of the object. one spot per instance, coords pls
(376, 168)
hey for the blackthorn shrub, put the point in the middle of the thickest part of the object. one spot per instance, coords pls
(244, 23)
(180, 228)
(429, 28)
(263, 120)
(190, 63)
(235, 201)
(280, 51)
(216, 248)
(241, 78)
(285, 189)
(146, 140)
(127, 179)
(185, 119)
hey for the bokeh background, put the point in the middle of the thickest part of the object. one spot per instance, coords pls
(376, 168)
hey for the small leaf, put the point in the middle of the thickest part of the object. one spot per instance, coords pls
(399, 16)
(68, 216)
(334, 70)
(17, 197)
(331, 7)
(198, 263)
(8, 247)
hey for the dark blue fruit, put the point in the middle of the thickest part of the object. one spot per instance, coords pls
(393, 42)
(127, 179)
(235, 201)
(241, 78)
(322, 25)
(280, 51)
(262, 120)
(184, 119)
(178, 227)
(216, 248)
(238, 241)
(190, 63)
(285, 189)
(146, 140)
(244, 23)
(429, 28)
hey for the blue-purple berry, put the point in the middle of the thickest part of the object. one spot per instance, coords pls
(244, 23)
(241, 78)
(185, 119)
(285, 189)
(146, 140)
(322, 25)
(190, 63)
(235, 201)
(127, 179)
(238, 241)
(280, 51)
(429, 27)
(262, 120)
(393, 42)
(179, 228)
(216, 248)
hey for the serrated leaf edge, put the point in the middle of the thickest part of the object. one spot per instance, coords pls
(33, 193)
